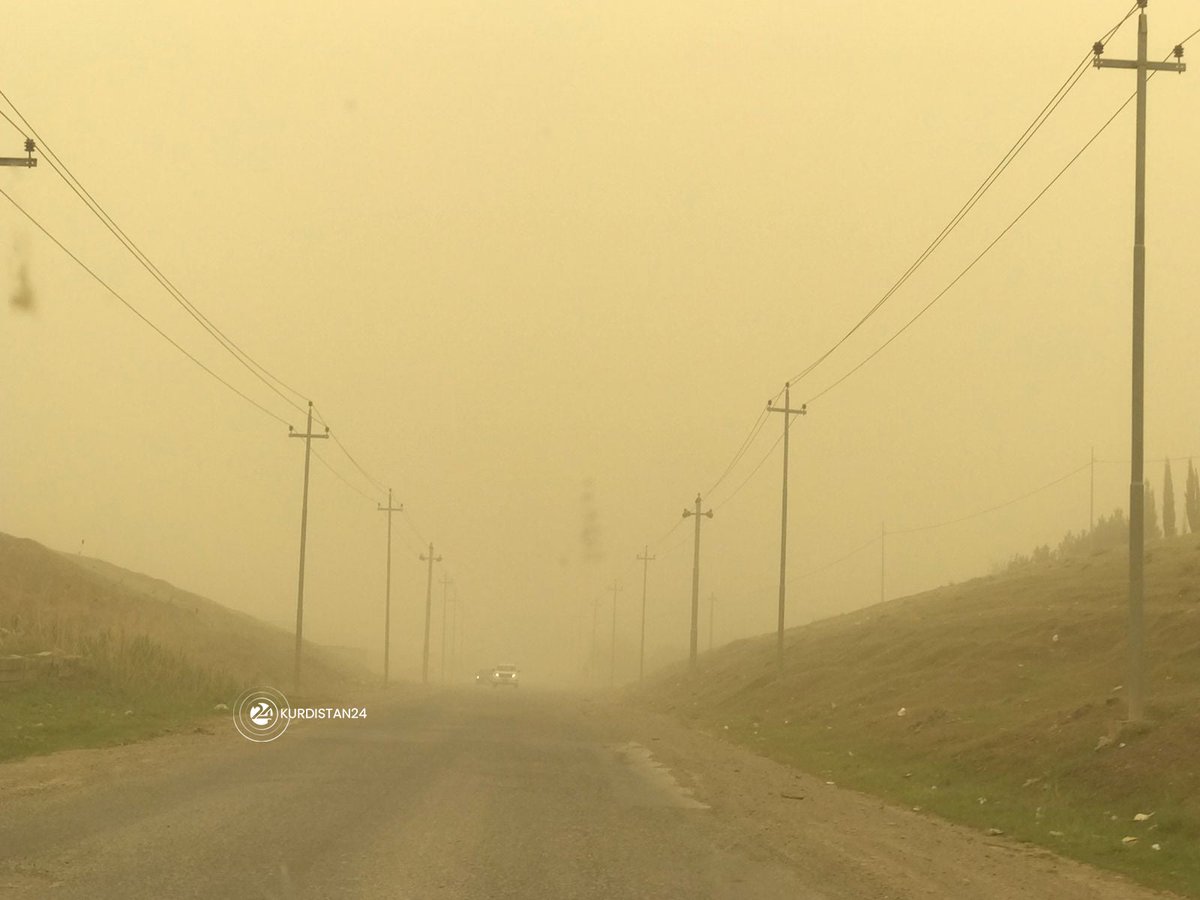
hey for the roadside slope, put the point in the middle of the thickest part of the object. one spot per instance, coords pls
(996, 703)
(137, 654)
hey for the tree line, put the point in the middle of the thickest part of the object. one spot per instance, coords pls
(1112, 530)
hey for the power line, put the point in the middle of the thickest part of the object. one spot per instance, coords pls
(990, 509)
(1030, 131)
(375, 482)
(115, 293)
(742, 448)
(85, 196)
(1007, 228)
(342, 478)
(753, 472)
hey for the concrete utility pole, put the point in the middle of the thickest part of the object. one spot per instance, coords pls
(788, 412)
(1143, 66)
(446, 581)
(612, 648)
(308, 437)
(387, 596)
(428, 606)
(646, 559)
(696, 577)
(25, 162)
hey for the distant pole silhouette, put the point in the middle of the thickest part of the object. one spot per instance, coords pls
(645, 558)
(696, 577)
(387, 595)
(1137, 495)
(788, 412)
(308, 437)
(428, 607)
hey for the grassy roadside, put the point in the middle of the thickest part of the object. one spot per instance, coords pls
(147, 657)
(125, 690)
(1012, 704)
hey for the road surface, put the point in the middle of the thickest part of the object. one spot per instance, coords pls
(482, 794)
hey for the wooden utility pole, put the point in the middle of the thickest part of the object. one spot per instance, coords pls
(788, 412)
(387, 596)
(1137, 497)
(696, 577)
(645, 558)
(308, 437)
(428, 607)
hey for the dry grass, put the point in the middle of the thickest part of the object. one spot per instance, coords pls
(996, 709)
(166, 655)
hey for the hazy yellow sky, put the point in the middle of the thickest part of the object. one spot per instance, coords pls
(513, 249)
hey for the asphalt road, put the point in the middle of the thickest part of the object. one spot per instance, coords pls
(481, 793)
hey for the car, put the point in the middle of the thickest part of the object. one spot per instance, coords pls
(505, 674)
(483, 676)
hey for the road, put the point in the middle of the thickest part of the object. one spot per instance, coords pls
(481, 794)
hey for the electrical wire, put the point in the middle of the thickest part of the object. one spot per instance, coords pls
(252, 365)
(1007, 228)
(742, 448)
(841, 559)
(753, 472)
(115, 293)
(85, 196)
(375, 482)
(990, 509)
(342, 478)
(1031, 130)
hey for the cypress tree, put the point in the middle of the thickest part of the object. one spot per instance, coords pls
(1191, 499)
(1152, 531)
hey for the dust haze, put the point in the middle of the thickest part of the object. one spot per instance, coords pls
(541, 266)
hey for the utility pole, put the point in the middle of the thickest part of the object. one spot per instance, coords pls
(308, 437)
(387, 596)
(612, 647)
(25, 162)
(1142, 66)
(788, 412)
(646, 559)
(428, 606)
(696, 577)
(446, 581)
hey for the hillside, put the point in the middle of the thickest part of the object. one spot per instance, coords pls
(138, 654)
(997, 702)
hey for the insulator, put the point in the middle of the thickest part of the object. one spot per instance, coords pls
(29, 145)
(1098, 48)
